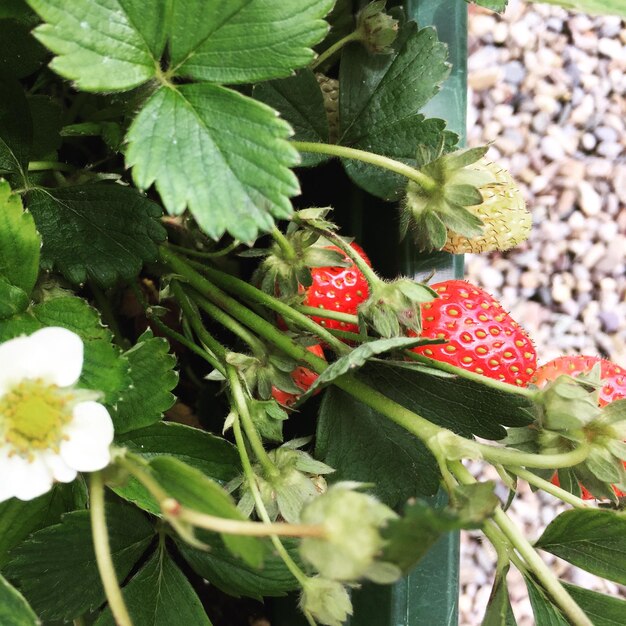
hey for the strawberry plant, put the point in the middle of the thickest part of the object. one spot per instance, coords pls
(204, 377)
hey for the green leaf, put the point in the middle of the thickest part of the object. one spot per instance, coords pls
(218, 152)
(19, 242)
(213, 456)
(159, 594)
(245, 41)
(499, 611)
(494, 5)
(14, 610)
(594, 540)
(56, 567)
(464, 406)
(102, 45)
(300, 102)
(473, 504)
(544, 611)
(195, 490)
(113, 231)
(380, 97)
(363, 445)
(46, 114)
(358, 357)
(236, 578)
(12, 299)
(603, 610)
(20, 53)
(594, 7)
(17, 9)
(16, 130)
(412, 535)
(152, 379)
(18, 519)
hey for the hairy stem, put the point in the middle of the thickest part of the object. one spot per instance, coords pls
(200, 254)
(284, 244)
(231, 324)
(328, 314)
(249, 292)
(548, 487)
(324, 56)
(343, 152)
(479, 378)
(539, 569)
(509, 457)
(252, 434)
(103, 552)
(42, 166)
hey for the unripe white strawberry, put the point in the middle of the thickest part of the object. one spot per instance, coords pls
(503, 211)
(330, 93)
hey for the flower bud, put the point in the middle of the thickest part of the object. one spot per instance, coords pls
(326, 600)
(352, 523)
(377, 29)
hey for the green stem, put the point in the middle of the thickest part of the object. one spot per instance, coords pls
(248, 471)
(479, 378)
(509, 457)
(252, 434)
(231, 324)
(102, 550)
(190, 345)
(326, 313)
(284, 244)
(206, 255)
(343, 152)
(540, 570)
(324, 56)
(351, 253)
(41, 166)
(193, 316)
(548, 487)
(173, 510)
(245, 290)
(176, 336)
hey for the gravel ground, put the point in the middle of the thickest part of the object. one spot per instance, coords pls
(547, 89)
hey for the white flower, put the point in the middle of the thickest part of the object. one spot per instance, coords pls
(49, 431)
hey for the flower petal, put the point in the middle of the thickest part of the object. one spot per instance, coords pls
(30, 479)
(61, 471)
(13, 362)
(89, 435)
(7, 489)
(56, 355)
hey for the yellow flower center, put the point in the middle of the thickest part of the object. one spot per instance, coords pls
(33, 415)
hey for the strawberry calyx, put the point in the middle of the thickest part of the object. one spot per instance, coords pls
(288, 263)
(583, 401)
(394, 306)
(302, 377)
(446, 203)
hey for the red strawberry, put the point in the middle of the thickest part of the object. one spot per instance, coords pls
(613, 388)
(613, 375)
(340, 289)
(302, 376)
(481, 336)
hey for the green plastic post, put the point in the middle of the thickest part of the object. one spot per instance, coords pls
(428, 596)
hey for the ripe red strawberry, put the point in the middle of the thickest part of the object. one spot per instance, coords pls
(339, 289)
(613, 388)
(302, 376)
(613, 375)
(481, 336)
